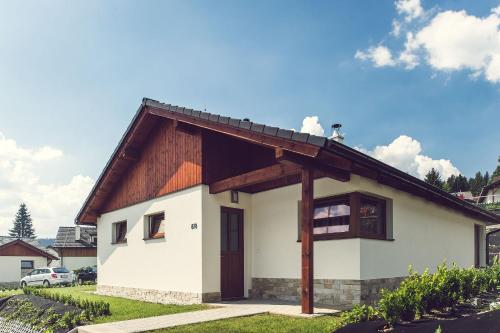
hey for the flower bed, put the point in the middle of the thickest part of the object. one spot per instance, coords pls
(447, 292)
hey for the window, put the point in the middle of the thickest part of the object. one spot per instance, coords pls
(155, 226)
(371, 217)
(27, 264)
(348, 216)
(120, 232)
(332, 216)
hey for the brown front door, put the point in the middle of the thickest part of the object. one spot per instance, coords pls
(231, 253)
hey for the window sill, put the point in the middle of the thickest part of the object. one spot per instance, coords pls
(153, 238)
(118, 243)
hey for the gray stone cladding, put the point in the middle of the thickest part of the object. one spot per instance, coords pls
(342, 294)
(158, 296)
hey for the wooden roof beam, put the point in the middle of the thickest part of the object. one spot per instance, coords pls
(289, 158)
(272, 172)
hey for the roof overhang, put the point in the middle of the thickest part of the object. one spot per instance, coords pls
(301, 148)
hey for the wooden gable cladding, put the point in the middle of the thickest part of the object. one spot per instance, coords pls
(77, 252)
(18, 249)
(169, 160)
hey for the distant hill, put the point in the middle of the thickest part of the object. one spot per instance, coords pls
(46, 241)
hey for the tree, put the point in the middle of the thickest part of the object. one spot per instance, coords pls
(457, 184)
(477, 183)
(496, 173)
(23, 224)
(434, 178)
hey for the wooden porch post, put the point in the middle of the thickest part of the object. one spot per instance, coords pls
(307, 240)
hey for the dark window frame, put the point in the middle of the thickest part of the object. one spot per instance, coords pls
(26, 261)
(116, 239)
(148, 232)
(355, 231)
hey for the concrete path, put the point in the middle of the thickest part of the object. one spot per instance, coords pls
(224, 311)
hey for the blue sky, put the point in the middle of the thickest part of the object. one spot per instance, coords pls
(72, 74)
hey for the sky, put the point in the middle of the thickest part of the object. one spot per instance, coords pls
(414, 83)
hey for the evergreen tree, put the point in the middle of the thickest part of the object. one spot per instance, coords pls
(23, 224)
(476, 183)
(496, 173)
(457, 184)
(434, 178)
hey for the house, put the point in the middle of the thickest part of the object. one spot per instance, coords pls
(196, 207)
(76, 246)
(491, 192)
(18, 257)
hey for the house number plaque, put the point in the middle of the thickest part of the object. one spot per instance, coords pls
(194, 226)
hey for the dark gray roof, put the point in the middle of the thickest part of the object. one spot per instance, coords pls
(66, 237)
(4, 240)
(392, 175)
(244, 124)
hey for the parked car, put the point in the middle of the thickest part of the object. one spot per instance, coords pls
(87, 274)
(47, 276)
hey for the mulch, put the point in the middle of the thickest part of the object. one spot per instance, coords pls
(488, 322)
(40, 303)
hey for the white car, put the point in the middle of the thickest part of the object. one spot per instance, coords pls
(47, 277)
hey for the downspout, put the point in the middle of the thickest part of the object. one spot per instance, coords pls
(488, 245)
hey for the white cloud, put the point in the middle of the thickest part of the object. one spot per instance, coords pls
(51, 205)
(396, 28)
(380, 56)
(404, 153)
(311, 125)
(447, 41)
(410, 9)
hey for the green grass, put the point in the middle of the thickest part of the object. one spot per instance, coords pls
(124, 309)
(261, 324)
(6, 293)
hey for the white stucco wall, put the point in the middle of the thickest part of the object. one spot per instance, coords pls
(493, 196)
(73, 263)
(10, 267)
(188, 260)
(170, 264)
(424, 235)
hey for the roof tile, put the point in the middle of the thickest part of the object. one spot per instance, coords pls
(316, 140)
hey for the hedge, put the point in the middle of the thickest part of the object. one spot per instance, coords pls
(92, 308)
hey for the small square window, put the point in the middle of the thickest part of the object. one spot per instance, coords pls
(120, 232)
(156, 226)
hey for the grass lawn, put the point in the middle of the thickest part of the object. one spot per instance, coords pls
(7, 293)
(261, 324)
(124, 309)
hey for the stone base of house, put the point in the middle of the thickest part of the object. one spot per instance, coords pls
(9, 285)
(158, 296)
(338, 293)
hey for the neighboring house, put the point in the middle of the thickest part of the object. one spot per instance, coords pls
(18, 257)
(76, 246)
(195, 207)
(491, 192)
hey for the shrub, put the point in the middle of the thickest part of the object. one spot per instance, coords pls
(420, 294)
(46, 320)
(359, 314)
(91, 308)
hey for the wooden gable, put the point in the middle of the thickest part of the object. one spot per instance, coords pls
(170, 160)
(19, 248)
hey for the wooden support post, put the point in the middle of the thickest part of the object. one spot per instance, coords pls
(307, 240)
